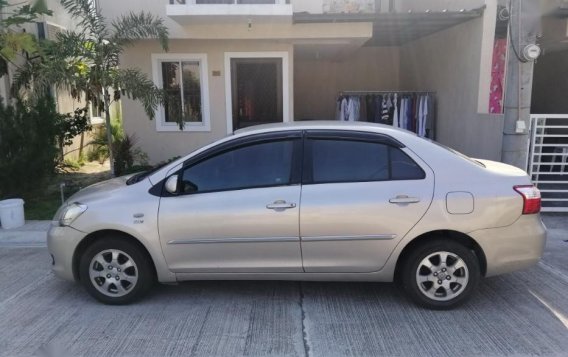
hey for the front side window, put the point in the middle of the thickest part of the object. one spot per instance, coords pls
(184, 79)
(359, 161)
(258, 165)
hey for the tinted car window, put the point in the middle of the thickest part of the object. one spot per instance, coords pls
(258, 165)
(358, 161)
(403, 167)
(345, 161)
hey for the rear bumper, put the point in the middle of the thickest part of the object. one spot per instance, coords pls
(61, 243)
(514, 247)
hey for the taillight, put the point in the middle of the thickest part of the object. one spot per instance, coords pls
(531, 198)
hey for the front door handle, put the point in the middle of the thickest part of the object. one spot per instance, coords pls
(280, 205)
(404, 199)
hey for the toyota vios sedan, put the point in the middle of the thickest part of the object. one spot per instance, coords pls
(304, 201)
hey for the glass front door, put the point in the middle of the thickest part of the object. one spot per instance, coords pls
(256, 91)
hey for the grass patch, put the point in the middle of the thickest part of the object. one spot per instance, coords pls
(43, 204)
(42, 208)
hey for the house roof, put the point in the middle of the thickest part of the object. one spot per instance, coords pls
(394, 29)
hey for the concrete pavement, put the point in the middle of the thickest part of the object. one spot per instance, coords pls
(33, 233)
(519, 314)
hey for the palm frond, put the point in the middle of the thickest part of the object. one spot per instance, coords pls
(136, 85)
(69, 44)
(88, 15)
(59, 66)
(139, 26)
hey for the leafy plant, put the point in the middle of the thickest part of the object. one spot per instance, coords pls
(12, 41)
(28, 151)
(69, 126)
(86, 62)
(99, 144)
(72, 164)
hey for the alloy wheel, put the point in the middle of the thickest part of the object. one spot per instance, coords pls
(113, 272)
(442, 276)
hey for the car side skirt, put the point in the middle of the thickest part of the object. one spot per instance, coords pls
(375, 276)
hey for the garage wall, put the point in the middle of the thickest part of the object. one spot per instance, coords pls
(318, 82)
(448, 62)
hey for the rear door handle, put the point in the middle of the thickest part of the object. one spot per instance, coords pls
(404, 199)
(280, 204)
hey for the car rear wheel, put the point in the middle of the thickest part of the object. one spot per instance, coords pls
(441, 274)
(115, 271)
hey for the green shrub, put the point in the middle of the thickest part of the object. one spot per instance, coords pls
(69, 125)
(99, 148)
(72, 164)
(128, 157)
(28, 147)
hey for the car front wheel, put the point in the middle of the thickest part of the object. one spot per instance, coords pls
(441, 274)
(115, 271)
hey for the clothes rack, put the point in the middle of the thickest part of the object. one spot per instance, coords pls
(365, 92)
(386, 107)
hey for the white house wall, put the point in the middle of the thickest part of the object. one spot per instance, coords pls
(165, 145)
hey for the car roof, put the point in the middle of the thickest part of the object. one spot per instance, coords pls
(322, 124)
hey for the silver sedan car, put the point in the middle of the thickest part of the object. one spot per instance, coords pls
(304, 201)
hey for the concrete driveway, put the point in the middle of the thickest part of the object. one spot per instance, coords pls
(520, 314)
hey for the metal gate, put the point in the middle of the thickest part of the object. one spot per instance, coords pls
(548, 159)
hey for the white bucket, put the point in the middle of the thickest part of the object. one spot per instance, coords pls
(12, 213)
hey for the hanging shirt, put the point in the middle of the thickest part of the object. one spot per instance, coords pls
(386, 110)
(343, 109)
(395, 116)
(424, 116)
(370, 106)
(409, 113)
(378, 108)
(402, 114)
(353, 108)
(420, 115)
(357, 116)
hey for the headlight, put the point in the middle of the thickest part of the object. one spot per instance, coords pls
(70, 213)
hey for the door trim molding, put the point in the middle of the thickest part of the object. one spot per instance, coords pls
(348, 238)
(285, 82)
(235, 240)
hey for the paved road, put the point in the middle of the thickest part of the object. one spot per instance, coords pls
(520, 314)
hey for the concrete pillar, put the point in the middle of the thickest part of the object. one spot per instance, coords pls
(525, 16)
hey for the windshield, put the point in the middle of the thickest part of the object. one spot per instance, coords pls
(142, 175)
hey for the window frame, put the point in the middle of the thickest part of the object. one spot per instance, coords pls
(295, 170)
(391, 143)
(201, 58)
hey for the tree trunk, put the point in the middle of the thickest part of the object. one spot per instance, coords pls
(106, 100)
(81, 144)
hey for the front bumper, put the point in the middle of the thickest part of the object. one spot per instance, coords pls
(514, 247)
(61, 244)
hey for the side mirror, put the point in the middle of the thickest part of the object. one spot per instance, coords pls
(171, 185)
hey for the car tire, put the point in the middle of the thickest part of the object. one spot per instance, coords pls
(440, 274)
(116, 271)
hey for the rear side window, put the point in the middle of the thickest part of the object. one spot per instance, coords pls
(403, 167)
(358, 161)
